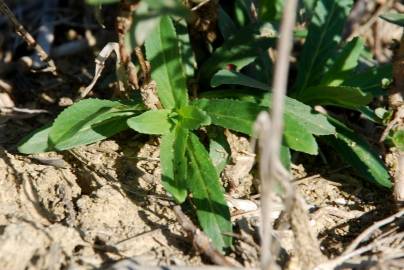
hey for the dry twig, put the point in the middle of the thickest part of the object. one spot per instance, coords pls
(27, 37)
(200, 241)
(271, 169)
(123, 24)
(369, 231)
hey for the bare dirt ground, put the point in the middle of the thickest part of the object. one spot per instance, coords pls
(102, 203)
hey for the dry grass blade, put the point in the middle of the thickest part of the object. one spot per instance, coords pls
(99, 64)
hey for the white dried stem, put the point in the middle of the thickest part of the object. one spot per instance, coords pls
(271, 130)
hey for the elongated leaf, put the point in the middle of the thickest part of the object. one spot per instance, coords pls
(192, 117)
(226, 24)
(207, 194)
(345, 63)
(258, 97)
(370, 81)
(173, 162)
(88, 121)
(316, 123)
(151, 122)
(147, 16)
(340, 96)
(323, 38)
(240, 116)
(36, 142)
(232, 114)
(396, 18)
(239, 50)
(357, 152)
(233, 77)
(162, 50)
(100, 2)
(187, 54)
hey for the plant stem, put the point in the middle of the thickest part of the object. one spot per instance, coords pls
(270, 167)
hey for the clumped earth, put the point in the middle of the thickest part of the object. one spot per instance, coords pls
(98, 204)
(95, 205)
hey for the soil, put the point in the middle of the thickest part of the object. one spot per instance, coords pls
(104, 202)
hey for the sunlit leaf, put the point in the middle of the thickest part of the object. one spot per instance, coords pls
(208, 195)
(162, 50)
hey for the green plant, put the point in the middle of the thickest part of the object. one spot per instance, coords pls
(186, 165)
(328, 75)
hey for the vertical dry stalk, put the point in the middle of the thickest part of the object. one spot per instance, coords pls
(270, 165)
(27, 37)
(396, 101)
(123, 24)
(399, 181)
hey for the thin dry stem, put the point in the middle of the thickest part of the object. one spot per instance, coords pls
(27, 37)
(271, 169)
(369, 231)
(200, 241)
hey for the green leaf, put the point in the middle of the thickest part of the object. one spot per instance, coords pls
(192, 117)
(370, 81)
(240, 116)
(90, 120)
(315, 123)
(270, 10)
(207, 194)
(355, 151)
(219, 148)
(299, 138)
(309, 7)
(36, 142)
(258, 97)
(187, 54)
(396, 18)
(173, 162)
(344, 65)
(398, 139)
(101, 2)
(147, 16)
(239, 50)
(226, 24)
(322, 41)
(162, 50)
(151, 122)
(232, 114)
(233, 77)
(340, 96)
(285, 157)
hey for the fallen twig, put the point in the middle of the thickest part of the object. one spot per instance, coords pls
(200, 241)
(332, 264)
(369, 231)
